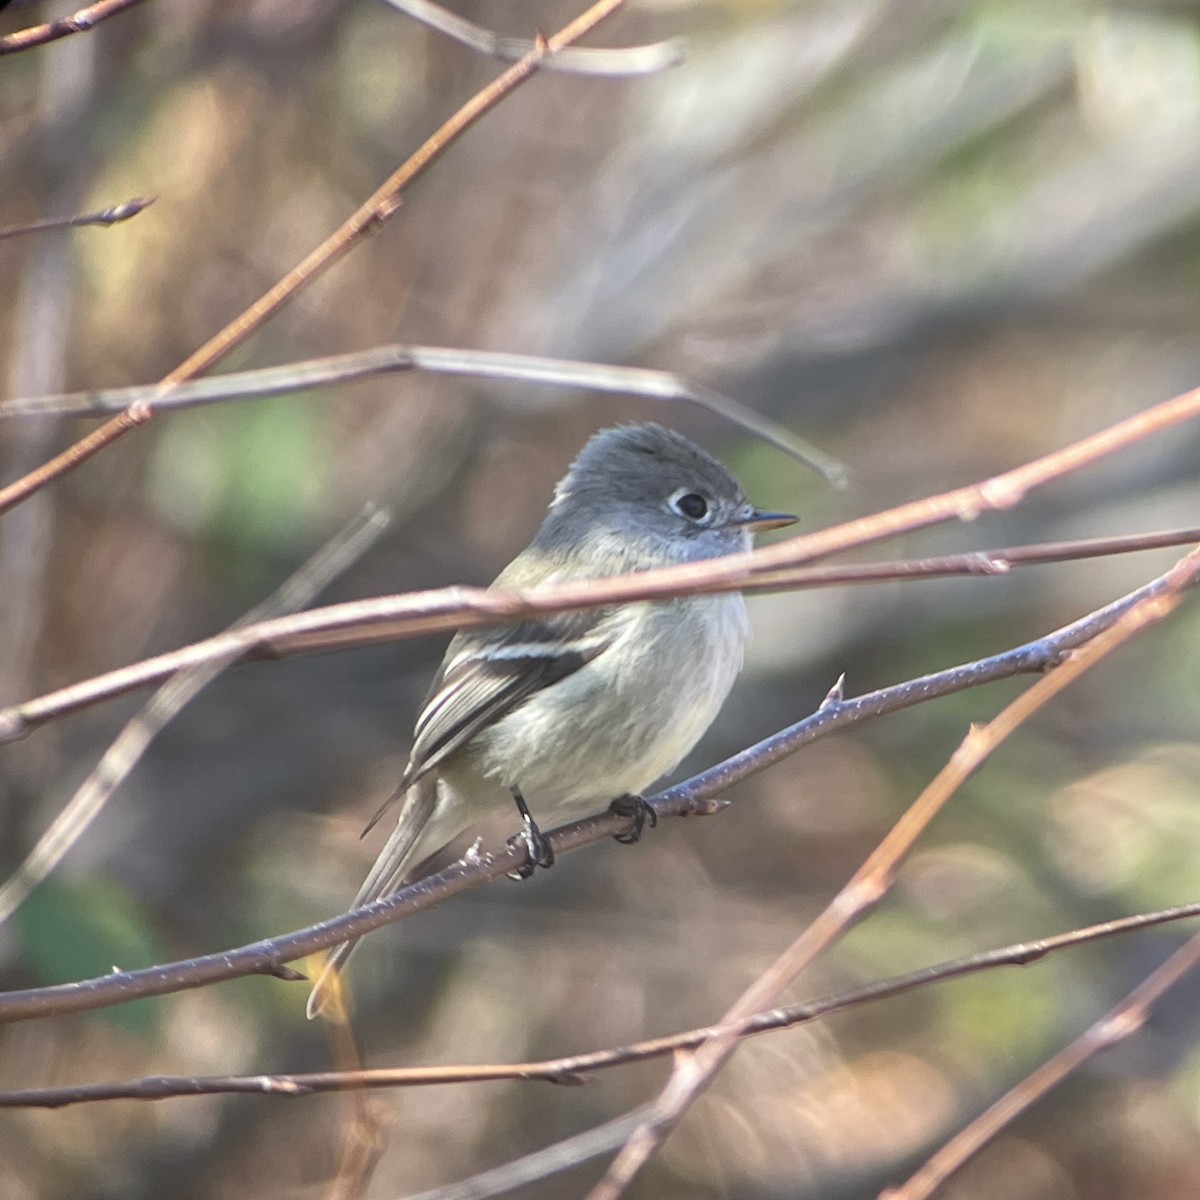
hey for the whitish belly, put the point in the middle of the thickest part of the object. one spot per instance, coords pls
(628, 717)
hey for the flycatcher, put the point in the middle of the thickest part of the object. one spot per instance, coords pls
(562, 713)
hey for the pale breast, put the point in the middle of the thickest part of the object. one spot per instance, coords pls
(630, 715)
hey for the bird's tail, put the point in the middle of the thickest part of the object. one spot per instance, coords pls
(388, 874)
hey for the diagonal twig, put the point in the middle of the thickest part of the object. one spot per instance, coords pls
(630, 60)
(372, 213)
(695, 1070)
(106, 217)
(1125, 1019)
(338, 554)
(541, 1164)
(78, 22)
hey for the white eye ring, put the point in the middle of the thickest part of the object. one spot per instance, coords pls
(691, 505)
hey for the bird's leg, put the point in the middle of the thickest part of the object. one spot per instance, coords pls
(539, 852)
(640, 811)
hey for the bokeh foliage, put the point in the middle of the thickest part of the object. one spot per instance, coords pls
(937, 237)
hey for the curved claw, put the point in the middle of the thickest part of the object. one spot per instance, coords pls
(538, 850)
(636, 808)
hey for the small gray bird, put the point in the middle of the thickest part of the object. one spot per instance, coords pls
(572, 710)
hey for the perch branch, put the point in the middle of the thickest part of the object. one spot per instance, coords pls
(695, 796)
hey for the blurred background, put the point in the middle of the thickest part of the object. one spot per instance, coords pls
(938, 238)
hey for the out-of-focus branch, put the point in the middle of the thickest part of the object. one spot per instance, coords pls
(106, 217)
(126, 751)
(631, 60)
(78, 22)
(697, 796)
(541, 1164)
(575, 1068)
(377, 209)
(1121, 1022)
(436, 360)
(695, 1070)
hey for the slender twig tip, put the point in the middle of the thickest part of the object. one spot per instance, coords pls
(131, 208)
(837, 693)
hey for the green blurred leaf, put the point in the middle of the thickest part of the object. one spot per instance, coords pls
(248, 476)
(84, 930)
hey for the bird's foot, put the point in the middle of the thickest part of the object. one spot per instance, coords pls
(640, 811)
(538, 850)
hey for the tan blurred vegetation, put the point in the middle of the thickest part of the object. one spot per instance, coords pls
(936, 237)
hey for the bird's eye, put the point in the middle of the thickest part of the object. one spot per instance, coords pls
(691, 505)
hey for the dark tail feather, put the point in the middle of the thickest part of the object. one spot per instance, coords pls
(385, 877)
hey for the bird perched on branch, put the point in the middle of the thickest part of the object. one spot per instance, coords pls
(564, 712)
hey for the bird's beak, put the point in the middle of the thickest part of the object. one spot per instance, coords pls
(757, 521)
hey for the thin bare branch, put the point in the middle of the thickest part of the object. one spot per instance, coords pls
(436, 360)
(971, 562)
(79, 22)
(376, 210)
(695, 1070)
(454, 608)
(632, 60)
(390, 618)
(541, 1164)
(106, 216)
(574, 1069)
(1121, 1022)
(335, 557)
(693, 797)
